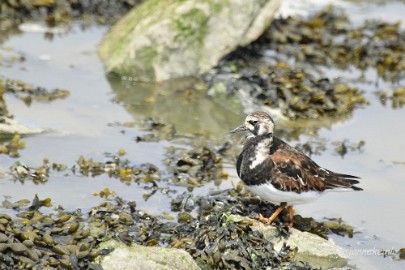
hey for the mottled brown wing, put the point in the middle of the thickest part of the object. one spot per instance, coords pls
(294, 171)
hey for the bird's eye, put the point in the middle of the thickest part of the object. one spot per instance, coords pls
(253, 122)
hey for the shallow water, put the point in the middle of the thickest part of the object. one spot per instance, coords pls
(80, 126)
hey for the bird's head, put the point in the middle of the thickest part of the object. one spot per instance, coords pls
(257, 124)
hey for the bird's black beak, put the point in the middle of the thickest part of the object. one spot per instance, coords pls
(238, 129)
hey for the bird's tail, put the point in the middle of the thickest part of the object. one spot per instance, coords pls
(345, 181)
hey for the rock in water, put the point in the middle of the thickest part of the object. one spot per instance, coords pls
(10, 126)
(166, 39)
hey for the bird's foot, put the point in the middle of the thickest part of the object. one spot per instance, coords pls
(276, 213)
(261, 218)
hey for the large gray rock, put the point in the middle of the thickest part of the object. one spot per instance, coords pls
(161, 40)
(146, 258)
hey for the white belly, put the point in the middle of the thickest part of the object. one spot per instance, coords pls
(269, 193)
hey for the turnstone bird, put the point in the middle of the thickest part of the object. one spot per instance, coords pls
(279, 173)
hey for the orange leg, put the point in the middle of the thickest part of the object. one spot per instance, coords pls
(273, 216)
(291, 214)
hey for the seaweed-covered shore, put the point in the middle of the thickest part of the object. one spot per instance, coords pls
(38, 234)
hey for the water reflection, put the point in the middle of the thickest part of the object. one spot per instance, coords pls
(177, 102)
(185, 104)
